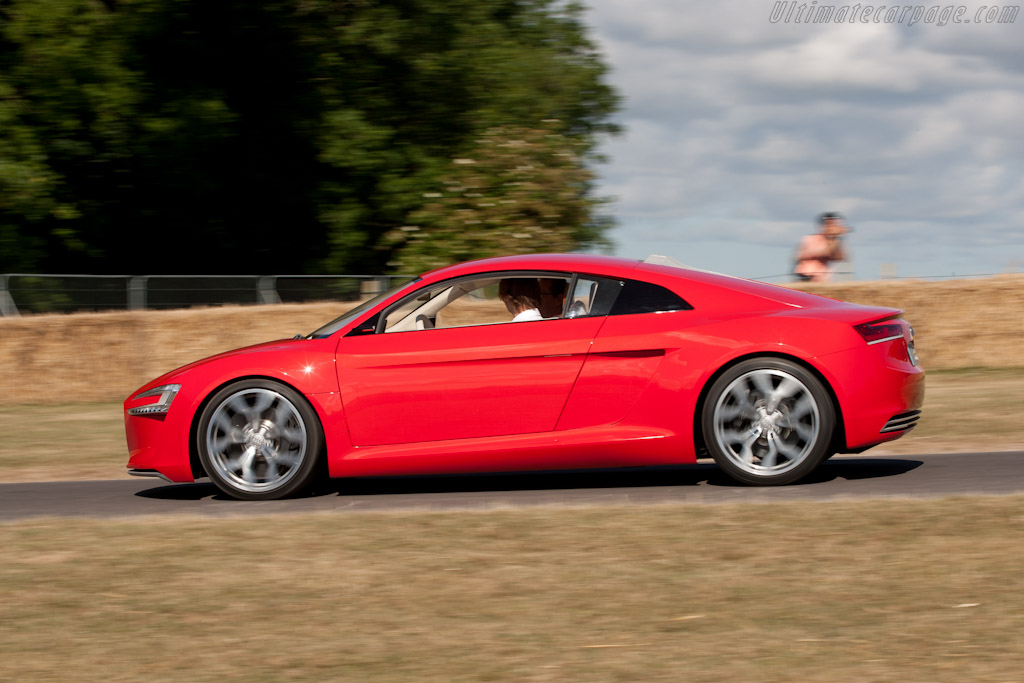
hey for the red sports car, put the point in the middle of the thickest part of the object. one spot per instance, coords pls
(545, 362)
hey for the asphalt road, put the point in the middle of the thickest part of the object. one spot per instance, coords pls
(839, 478)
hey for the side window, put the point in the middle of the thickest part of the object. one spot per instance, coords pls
(478, 305)
(644, 297)
(593, 296)
(403, 317)
(481, 300)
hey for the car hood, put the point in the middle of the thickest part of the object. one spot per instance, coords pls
(264, 347)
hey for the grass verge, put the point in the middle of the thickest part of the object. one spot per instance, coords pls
(871, 591)
(965, 410)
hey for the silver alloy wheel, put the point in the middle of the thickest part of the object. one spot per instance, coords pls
(766, 422)
(256, 440)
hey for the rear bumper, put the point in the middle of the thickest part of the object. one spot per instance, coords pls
(880, 395)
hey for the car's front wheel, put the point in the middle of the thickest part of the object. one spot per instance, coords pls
(259, 440)
(768, 421)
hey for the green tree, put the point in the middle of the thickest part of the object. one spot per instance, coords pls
(519, 191)
(174, 136)
(288, 135)
(49, 66)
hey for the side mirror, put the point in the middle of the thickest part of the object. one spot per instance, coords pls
(366, 327)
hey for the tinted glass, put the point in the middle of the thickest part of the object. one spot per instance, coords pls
(644, 297)
(593, 296)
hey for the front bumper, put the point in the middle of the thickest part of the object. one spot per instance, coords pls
(159, 444)
(150, 473)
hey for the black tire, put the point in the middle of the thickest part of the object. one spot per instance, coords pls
(259, 440)
(768, 422)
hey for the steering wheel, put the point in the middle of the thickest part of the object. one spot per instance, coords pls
(577, 309)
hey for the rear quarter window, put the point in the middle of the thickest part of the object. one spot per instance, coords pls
(644, 297)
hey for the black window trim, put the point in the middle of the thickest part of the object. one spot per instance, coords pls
(379, 318)
(383, 314)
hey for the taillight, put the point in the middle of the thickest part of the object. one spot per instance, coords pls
(890, 329)
(880, 330)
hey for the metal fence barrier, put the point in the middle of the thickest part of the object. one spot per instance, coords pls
(47, 293)
(50, 293)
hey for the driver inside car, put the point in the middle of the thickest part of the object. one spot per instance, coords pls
(552, 296)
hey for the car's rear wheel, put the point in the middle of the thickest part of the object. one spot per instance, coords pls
(768, 421)
(259, 440)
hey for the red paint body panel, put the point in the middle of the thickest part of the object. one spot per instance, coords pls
(160, 445)
(460, 383)
(621, 390)
(872, 384)
(609, 446)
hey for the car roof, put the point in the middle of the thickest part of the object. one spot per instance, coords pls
(598, 264)
(655, 268)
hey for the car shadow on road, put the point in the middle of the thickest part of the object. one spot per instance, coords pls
(196, 491)
(851, 469)
(703, 474)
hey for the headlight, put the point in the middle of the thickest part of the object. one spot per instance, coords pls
(166, 394)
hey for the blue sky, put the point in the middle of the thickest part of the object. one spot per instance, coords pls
(739, 131)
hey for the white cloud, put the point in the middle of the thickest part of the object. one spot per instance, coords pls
(738, 129)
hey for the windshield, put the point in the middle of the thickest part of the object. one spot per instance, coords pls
(348, 316)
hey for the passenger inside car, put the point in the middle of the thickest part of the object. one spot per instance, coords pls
(521, 297)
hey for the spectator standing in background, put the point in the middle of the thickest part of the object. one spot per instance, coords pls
(817, 252)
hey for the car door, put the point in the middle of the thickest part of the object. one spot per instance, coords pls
(474, 379)
(626, 353)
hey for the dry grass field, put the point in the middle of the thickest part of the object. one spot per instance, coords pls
(959, 323)
(924, 591)
(104, 356)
